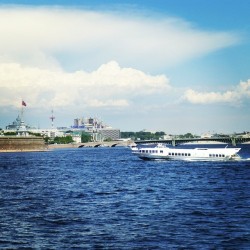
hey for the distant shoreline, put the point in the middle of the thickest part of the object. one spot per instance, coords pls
(57, 146)
(21, 151)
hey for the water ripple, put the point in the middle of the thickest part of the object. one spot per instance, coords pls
(109, 199)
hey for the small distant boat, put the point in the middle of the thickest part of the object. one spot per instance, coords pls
(161, 152)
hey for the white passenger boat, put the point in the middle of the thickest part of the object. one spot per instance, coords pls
(196, 154)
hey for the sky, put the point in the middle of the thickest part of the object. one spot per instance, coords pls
(177, 66)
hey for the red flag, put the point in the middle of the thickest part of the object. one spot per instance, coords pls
(24, 103)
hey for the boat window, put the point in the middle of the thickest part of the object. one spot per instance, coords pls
(223, 155)
(210, 155)
(169, 153)
(179, 154)
(182, 154)
(186, 154)
(219, 155)
(161, 151)
(189, 154)
(172, 153)
(216, 155)
(146, 151)
(175, 153)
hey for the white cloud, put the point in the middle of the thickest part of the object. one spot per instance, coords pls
(54, 37)
(108, 86)
(233, 97)
(108, 103)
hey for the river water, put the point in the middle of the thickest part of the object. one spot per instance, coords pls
(107, 198)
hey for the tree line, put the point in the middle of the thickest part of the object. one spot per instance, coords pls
(143, 135)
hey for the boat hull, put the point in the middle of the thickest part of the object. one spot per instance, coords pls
(166, 158)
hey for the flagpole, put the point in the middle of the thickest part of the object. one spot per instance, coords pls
(22, 127)
(22, 110)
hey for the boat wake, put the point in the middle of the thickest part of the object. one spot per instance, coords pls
(247, 159)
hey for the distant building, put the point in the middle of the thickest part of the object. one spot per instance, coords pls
(167, 137)
(22, 130)
(52, 133)
(76, 138)
(111, 133)
(19, 127)
(78, 123)
(15, 124)
(91, 121)
(245, 135)
(206, 136)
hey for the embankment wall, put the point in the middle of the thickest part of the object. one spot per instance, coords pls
(19, 144)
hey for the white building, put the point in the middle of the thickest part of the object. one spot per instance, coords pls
(52, 133)
(76, 138)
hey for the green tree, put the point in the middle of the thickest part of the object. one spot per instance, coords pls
(187, 135)
(143, 135)
(85, 137)
(35, 134)
(63, 140)
(46, 139)
(108, 139)
(10, 133)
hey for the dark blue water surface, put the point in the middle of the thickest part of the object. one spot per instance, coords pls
(107, 198)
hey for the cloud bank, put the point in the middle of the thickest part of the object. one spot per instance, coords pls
(109, 86)
(233, 97)
(78, 60)
(73, 39)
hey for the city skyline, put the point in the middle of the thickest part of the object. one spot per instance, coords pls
(173, 66)
(92, 123)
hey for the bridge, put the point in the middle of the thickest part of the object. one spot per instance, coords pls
(104, 144)
(91, 144)
(175, 141)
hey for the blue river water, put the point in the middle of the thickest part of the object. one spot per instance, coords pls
(107, 198)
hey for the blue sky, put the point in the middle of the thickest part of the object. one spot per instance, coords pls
(177, 66)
